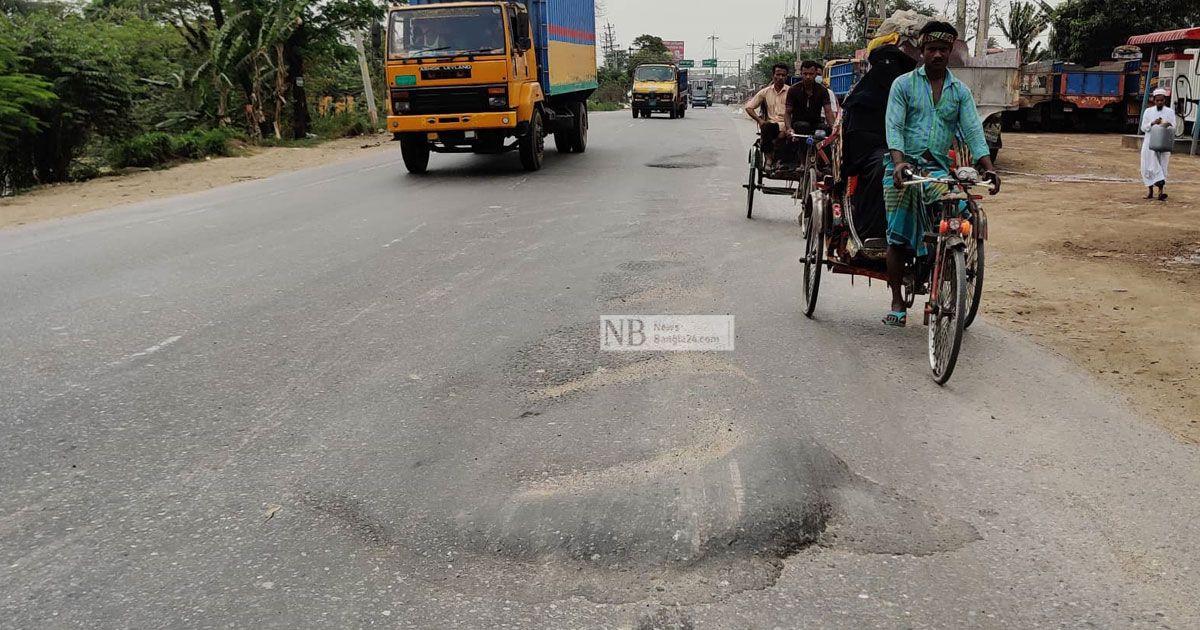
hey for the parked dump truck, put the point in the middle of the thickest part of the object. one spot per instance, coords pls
(660, 87)
(1064, 96)
(490, 77)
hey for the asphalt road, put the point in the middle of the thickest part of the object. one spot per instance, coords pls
(349, 397)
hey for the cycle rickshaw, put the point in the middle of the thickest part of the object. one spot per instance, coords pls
(950, 274)
(797, 176)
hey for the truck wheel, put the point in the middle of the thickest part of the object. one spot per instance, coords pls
(635, 113)
(683, 111)
(533, 144)
(674, 113)
(579, 131)
(563, 142)
(414, 148)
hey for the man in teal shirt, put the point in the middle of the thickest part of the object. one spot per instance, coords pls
(927, 108)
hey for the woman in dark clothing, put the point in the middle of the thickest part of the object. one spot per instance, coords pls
(864, 142)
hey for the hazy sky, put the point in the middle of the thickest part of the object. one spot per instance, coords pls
(736, 22)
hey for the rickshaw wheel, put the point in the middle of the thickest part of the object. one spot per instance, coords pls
(750, 186)
(813, 255)
(946, 327)
(975, 264)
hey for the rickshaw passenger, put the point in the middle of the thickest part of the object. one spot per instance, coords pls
(864, 140)
(774, 96)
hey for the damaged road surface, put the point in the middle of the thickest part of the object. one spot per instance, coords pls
(381, 401)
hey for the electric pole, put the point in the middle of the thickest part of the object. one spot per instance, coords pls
(796, 29)
(610, 46)
(981, 33)
(827, 45)
(368, 90)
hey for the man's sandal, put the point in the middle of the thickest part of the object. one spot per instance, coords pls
(897, 319)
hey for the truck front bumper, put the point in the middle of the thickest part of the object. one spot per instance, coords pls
(452, 122)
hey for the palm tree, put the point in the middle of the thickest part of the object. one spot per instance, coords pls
(1024, 24)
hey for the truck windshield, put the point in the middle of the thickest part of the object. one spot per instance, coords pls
(445, 32)
(653, 73)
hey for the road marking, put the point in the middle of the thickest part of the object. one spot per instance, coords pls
(514, 186)
(158, 347)
(410, 233)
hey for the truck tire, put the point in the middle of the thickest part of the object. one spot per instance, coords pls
(683, 111)
(579, 131)
(674, 113)
(563, 142)
(635, 113)
(533, 144)
(414, 148)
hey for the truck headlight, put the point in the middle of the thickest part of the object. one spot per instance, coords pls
(498, 98)
(401, 107)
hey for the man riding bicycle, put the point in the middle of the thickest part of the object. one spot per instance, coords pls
(774, 96)
(808, 101)
(926, 109)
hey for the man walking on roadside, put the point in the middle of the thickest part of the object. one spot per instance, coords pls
(1154, 163)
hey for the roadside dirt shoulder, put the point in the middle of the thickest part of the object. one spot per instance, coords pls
(1079, 260)
(51, 202)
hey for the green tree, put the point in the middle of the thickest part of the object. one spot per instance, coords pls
(1086, 31)
(761, 72)
(21, 95)
(1022, 26)
(649, 49)
(93, 85)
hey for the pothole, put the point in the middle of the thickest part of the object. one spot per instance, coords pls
(697, 525)
(684, 161)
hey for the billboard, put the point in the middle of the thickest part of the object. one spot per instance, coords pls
(676, 49)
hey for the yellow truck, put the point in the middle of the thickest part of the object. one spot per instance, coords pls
(490, 77)
(660, 87)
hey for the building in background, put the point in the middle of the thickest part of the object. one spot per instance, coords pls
(809, 34)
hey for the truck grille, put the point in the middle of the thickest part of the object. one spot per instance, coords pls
(449, 101)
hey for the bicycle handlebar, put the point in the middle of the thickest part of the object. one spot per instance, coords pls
(913, 180)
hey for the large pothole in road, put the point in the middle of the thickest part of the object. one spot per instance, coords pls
(720, 523)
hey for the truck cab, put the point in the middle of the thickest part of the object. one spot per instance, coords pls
(489, 77)
(660, 87)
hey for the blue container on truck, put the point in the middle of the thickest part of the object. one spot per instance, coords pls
(490, 76)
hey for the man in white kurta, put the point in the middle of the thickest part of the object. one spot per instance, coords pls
(1154, 163)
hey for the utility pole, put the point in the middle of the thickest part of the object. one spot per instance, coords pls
(610, 47)
(368, 89)
(981, 33)
(960, 19)
(796, 29)
(827, 45)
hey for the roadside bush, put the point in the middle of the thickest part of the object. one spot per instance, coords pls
(156, 148)
(342, 125)
(215, 142)
(83, 170)
(148, 149)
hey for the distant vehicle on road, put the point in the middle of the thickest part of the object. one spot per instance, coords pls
(662, 88)
(702, 93)
(490, 77)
